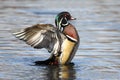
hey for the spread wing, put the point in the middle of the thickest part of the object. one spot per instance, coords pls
(41, 36)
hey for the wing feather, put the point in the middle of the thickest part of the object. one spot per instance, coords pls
(41, 36)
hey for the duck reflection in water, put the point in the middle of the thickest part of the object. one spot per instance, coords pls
(62, 72)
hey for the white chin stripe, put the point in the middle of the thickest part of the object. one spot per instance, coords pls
(71, 39)
(65, 24)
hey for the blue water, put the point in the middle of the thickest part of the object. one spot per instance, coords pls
(98, 24)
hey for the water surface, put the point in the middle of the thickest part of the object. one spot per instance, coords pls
(98, 24)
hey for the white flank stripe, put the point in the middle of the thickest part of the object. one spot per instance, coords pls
(72, 38)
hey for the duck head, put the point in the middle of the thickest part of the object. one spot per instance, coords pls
(62, 19)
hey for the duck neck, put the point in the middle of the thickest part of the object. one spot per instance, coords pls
(61, 23)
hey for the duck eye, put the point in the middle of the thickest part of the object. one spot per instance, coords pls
(65, 15)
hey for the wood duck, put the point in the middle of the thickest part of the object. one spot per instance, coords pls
(61, 41)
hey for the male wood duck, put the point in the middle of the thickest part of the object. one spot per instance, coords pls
(61, 41)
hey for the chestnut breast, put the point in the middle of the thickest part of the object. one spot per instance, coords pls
(71, 31)
(68, 46)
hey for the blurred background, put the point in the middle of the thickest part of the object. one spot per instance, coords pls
(98, 25)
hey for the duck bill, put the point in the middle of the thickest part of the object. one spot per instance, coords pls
(72, 18)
